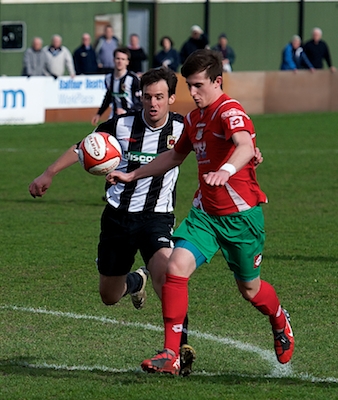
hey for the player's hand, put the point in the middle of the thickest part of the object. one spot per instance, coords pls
(117, 176)
(258, 158)
(40, 185)
(218, 178)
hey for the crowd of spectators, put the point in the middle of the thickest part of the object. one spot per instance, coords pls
(56, 59)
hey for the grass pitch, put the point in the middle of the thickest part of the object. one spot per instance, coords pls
(58, 341)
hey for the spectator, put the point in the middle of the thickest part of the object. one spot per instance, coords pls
(59, 58)
(85, 57)
(123, 88)
(168, 56)
(293, 56)
(317, 50)
(104, 50)
(35, 60)
(228, 54)
(197, 40)
(137, 54)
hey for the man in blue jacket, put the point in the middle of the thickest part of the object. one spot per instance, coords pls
(293, 56)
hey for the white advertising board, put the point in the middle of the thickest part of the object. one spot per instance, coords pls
(84, 91)
(24, 100)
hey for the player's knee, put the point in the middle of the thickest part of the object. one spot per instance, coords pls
(248, 293)
(109, 299)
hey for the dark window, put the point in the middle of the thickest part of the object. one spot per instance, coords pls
(13, 36)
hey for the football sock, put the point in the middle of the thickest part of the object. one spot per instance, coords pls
(174, 309)
(184, 336)
(134, 283)
(266, 301)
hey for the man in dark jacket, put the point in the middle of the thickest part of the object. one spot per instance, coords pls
(85, 57)
(198, 40)
(317, 50)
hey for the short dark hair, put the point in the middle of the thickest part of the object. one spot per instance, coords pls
(155, 75)
(206, 60)
(166, 37)
(124, 50)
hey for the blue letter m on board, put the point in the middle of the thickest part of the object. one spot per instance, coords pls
(13, 94)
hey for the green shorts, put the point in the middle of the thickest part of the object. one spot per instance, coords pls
(240, 237)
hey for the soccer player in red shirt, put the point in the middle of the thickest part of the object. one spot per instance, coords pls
(226, 212)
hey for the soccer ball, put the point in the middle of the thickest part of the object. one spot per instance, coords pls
(99, 153)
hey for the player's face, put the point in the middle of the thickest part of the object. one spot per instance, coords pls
(202, 90)
(156, 102)
(121, 61)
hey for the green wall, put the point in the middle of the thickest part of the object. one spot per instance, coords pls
(257, 31)
(44, 20)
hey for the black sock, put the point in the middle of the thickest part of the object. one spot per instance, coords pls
(184, 336)
(134, 283)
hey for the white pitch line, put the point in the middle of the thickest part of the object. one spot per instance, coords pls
(278, 370)
(269, 356)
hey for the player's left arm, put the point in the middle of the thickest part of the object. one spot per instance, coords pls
(243, 153)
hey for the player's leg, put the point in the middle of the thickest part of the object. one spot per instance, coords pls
(182, 263)
(244, 255)
(157, 267)
(263, 296)
(116, 254)
(174, 309)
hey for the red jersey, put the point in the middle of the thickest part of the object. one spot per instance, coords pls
(209, 133)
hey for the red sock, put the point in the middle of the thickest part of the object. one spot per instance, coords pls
(266, 301)
(174, 309)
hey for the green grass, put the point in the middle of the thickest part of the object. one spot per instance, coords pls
(58, 341)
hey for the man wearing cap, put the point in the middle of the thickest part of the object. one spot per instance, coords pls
(198, 40)
(228, 54)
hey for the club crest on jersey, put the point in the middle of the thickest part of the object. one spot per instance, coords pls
(171, 140)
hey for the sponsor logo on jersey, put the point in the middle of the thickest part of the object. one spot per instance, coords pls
(136, 156)
(117, 94)
(258, 260)
(233, 112)
(163, 239)
(171, 140)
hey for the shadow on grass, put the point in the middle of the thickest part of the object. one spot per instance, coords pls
(21, 366)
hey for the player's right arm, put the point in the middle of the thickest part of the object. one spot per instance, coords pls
(40, 184)
(161, 164)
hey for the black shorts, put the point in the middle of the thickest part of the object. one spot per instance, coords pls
(123, 234)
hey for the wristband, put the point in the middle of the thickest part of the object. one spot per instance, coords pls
(229, 167)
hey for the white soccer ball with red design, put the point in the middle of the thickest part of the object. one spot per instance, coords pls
(99, 153)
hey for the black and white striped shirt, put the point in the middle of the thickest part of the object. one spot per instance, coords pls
(140, 144)
(124, 92)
